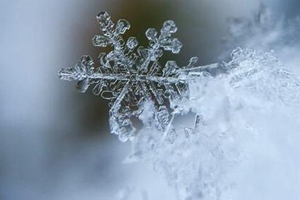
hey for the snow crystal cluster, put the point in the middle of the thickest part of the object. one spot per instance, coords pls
(236, 110)
(232, 102)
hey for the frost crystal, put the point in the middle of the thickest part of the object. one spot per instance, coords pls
(131, 76)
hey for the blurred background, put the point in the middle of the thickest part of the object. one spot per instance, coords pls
(55, 142)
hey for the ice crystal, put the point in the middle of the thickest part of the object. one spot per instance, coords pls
(130, 76)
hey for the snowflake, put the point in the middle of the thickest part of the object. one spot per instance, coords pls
(132, 78)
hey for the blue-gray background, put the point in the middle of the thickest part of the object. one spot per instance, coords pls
(55, 142)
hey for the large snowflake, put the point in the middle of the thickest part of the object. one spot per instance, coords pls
(132, 78)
